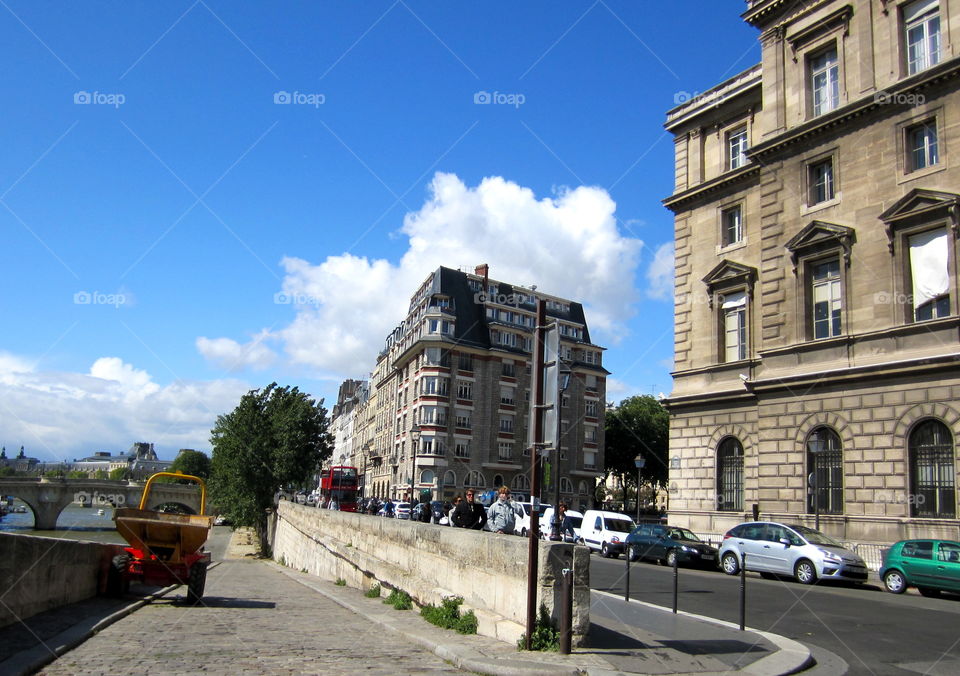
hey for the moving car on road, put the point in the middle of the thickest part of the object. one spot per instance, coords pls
(780, 549)
(669, 545)
(931, 566)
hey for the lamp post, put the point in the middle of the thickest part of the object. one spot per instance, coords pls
(415, 441)
(563, 382)
(817, 445)
(639, 461)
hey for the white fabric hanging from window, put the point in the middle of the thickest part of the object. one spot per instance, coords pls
(928, 265)
(732, 300)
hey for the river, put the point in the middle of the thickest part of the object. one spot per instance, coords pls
(74, 523)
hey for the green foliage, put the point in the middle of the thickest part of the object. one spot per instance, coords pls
(120, 473)
(340, 582)
(7, 471)
(191, 462)
(100, 474)
(448, 616)
(373, 592)
(78, 474)
(638, 426)
(282, 560)
(545, 636)
(399, 599)
(276, 436)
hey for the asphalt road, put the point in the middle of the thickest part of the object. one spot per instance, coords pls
(874, 631)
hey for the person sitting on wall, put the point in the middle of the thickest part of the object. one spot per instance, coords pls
(502, 514)
(469, 514)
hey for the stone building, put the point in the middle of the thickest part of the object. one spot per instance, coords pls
(816, 212)
(458, 368)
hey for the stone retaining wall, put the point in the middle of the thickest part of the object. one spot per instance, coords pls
(37, 573)
(430, 562)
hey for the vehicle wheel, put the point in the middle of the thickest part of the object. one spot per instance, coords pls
(117, 582)
(805, 572)
(929, 592)
(198, 580)
(894, 582)
(523, 532)
(730, 564)
(633, 554)
(671, 559)
(605, 550)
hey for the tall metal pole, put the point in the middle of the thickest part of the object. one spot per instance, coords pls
(533, 535)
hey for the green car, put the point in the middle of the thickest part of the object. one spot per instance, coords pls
(931, 566)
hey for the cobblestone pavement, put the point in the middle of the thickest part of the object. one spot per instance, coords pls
(253, 620)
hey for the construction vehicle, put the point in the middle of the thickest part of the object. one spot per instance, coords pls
(165, 548)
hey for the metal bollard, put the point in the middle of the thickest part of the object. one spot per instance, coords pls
(743, 590)
(566, 610)
(626, 586)
(676, 574)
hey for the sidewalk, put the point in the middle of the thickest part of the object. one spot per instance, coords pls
(258, 617)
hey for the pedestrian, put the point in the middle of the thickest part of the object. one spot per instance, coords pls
(503, 513)
(425, 512)
(566, 524)
(469, 514)
(388, 508)
(333, 504)
(456, 503)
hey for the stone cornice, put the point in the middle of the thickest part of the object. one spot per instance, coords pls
(675, 202)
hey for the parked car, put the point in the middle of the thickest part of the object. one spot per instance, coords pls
(669, 544)
(931, 566)
(546, 523)
(401, 510)
(522, 524)
(605, 532)
(780, 549)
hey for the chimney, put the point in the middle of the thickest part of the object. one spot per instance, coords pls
(482, 270)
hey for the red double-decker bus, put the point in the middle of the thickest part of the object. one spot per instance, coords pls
(339, 483)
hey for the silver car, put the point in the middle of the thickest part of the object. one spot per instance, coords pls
(780, 549)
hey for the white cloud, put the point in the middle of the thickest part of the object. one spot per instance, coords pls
(660, 273)
(568, 245)
(231, 356)
(63, 415)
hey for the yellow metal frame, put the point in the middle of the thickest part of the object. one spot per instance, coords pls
(176, 475)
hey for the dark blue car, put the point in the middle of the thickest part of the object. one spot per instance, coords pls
(668, 543)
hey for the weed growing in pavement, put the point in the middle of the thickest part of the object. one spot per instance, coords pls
(399, 599)
(341, 582)
(373, 592)
(448, 616)
(545, 635)
(282, 561)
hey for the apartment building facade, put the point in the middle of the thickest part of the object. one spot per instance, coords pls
(456, 375)
(817, 323)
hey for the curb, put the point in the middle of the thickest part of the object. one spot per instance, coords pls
(34, 659)
(791, 656)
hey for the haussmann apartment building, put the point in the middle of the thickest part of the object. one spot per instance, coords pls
(817, 213)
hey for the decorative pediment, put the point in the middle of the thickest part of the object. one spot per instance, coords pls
(834, 20)
(921, 204)
(730, 274)
(819, 235)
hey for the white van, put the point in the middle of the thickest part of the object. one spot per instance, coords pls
(522, 524)
(605, 532)
(546, 524)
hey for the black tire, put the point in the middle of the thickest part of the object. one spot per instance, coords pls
(895, 582)
(197, 582)
(730, 563)
(523, 532)
(605, 550)
(117, 582)
(633, 554)
(805, 572)
(929, 592)
(671, 558)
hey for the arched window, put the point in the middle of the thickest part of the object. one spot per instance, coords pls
(427, 476)
(474, 480)
(582, 489)
(932, 477)
(520, 483)
(825, 472)
(730, 475)
(566, 486)
(497, 481)
(449, 478)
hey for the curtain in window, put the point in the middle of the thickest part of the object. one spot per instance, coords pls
(928, 266)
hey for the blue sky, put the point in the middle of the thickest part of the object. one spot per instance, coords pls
(172, 236)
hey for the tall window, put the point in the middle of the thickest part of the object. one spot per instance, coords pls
(820, 180)
(929, 274)
(932, 476)
(825, 462)
(732, 223)
(730, 476)
(462, 449)
(506, 423)
(465, 362)
(825, 278)
(825, 81)
(921, 22)
(737, 148)
(734, 309)
(464, 389)
(520, 483)
(506, 368)
(474, 479)
(505, 450)
(922, 147)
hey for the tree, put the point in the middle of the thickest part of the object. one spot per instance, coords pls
(191, 462)
(120, 473)
(100, 474)
(638, 426)
(274, 437)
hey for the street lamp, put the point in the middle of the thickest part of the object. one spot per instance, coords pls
(639, 461)
(415, 441)
(563, 382)
(817, 445)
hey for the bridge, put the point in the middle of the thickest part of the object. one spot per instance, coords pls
(48, 497)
